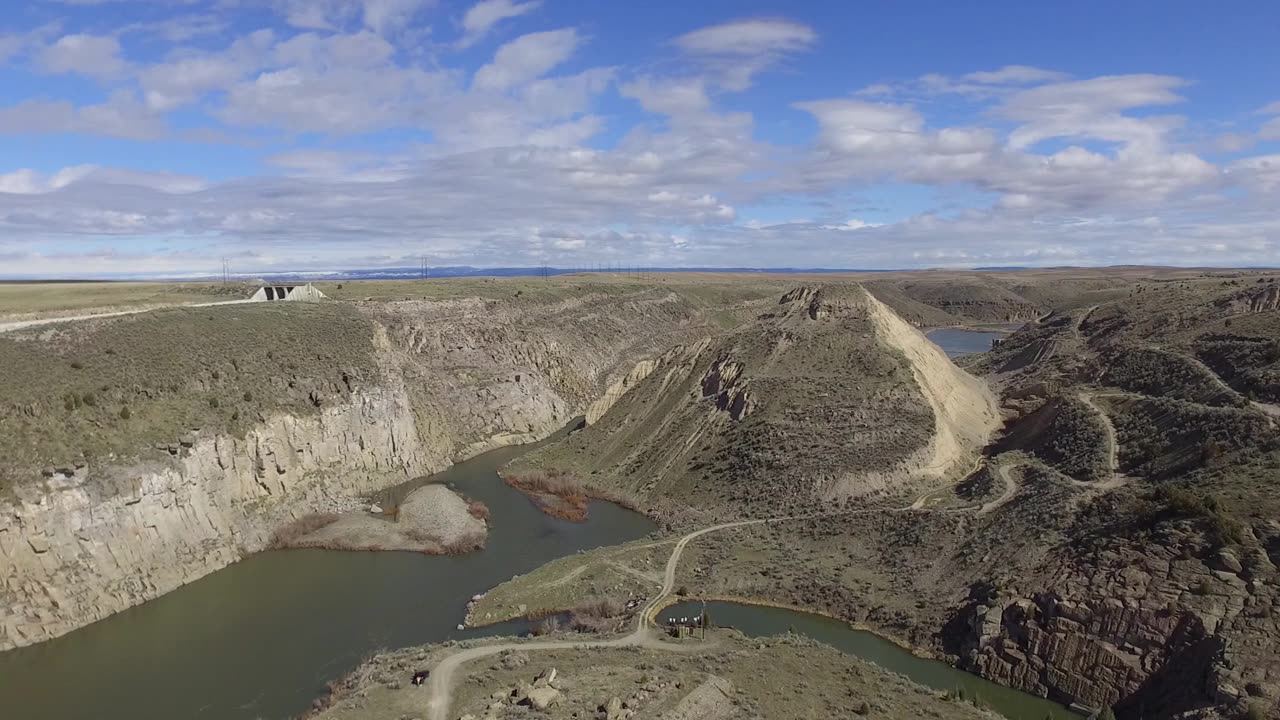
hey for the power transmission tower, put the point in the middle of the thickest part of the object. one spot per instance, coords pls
(226, 272)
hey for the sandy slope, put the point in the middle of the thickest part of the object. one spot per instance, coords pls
(964, 409)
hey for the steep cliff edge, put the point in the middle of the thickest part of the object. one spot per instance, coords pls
(103, 531)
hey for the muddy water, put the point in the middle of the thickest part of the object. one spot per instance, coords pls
(259, 639)
(962, 342)
(756, 621)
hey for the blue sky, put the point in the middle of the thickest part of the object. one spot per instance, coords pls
(150, 136)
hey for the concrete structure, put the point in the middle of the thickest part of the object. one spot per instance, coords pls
(291, 293)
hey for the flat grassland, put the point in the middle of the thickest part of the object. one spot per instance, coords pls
(130, 385)
(21, 300)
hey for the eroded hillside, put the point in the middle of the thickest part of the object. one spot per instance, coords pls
(1117, 550)
(825, 398)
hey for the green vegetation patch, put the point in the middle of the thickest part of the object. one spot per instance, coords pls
(1066, 434)
(1250, 364)
(1155, 372)
(1161, 438)
(19, 299)
(1223, 526)
(140, 384)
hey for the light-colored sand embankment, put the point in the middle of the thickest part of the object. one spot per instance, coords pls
(965, 410)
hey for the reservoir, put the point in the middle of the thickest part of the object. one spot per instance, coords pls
(957, 342)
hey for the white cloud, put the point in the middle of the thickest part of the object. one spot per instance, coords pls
(10, 45)
(1270, 130)
(120, 116)
(735, 52)
(95, 56)
(853, 126)
(30, 182)
(1261, 173)
(1092, 109)
(484, 15)
(748, 37)
(186, 77)
(1015, 75)
(526, 58)
(381, 16)
(523, 161)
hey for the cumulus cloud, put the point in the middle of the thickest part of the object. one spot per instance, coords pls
(122, 116)
(187, 76)
(486, 14)
(374, 148)
(1015, 75)
(9, 47)
(526, 58)
(739, 50)
(381, 16)
(1093, 109)
(96, 56)
(1270, 130)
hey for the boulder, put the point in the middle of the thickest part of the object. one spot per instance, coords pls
(542, 698)
(545, 679)
(1226, 560)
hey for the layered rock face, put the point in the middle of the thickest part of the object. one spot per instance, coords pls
(459, 377)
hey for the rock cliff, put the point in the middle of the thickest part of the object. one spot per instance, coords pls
(458, 377)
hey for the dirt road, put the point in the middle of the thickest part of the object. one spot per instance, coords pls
(441, 682)
(23, 324)
(1108, 428)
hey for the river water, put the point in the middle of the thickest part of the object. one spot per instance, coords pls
(260, 638)
(957, 342)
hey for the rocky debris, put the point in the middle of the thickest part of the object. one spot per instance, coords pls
(432, 519)
(614, 710)
(545, 691)
(515, 659)
(1253, 300)
(1226, 560)
(545, 678)
(542, 698)
(723, 382)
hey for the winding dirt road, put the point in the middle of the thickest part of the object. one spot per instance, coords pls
(1108, 428)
